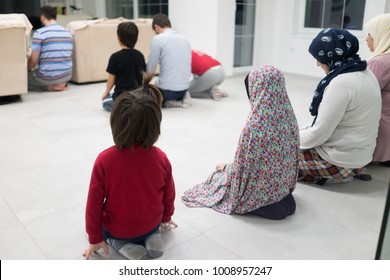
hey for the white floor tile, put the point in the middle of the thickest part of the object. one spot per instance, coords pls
(49, 142)
(60, 235)
(199, 248)
(43, 191)
(300, 236)
(17, 244)
(7, 217)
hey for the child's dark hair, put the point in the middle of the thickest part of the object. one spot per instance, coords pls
(136, 116)
(161, 20)
(151, 89)
(48, 12)
(127, 33)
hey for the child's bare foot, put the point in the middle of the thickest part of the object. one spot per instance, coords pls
(58, 87)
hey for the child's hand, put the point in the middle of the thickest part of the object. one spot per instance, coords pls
(169, 225)
(94, 247)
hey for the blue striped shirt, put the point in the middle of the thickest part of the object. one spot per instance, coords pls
(55, 45)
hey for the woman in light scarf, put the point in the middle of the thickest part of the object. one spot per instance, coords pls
(378, 41)
(263, 174)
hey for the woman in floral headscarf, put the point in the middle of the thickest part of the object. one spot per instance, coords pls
(378, 41)
(346, 109)
(263, 174)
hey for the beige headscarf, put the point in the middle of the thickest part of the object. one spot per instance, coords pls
(379, 30)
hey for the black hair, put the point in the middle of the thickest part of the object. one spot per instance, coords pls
(127, 33)
(49, 12)
(136, 116)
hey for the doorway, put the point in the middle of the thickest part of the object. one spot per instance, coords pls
(244, 32)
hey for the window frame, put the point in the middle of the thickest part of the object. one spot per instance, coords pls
(308, 32)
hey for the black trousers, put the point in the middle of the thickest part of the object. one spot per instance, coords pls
(278, 210)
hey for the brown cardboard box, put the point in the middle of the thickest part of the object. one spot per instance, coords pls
(14, 50)
(96, 40)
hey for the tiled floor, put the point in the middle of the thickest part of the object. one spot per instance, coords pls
(49, 142)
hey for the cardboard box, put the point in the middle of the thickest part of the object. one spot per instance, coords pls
(96, 40)
(14, 50)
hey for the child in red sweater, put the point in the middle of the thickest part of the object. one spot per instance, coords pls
(132, 191)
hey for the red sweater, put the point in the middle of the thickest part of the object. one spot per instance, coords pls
(202, 62)
(130, 193)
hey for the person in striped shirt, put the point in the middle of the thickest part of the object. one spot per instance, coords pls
(50, 63)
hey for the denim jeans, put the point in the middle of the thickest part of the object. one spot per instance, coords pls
(107, 103)
(173, 95)
(135, 240)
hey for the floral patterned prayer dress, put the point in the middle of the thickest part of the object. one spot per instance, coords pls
(265, 166)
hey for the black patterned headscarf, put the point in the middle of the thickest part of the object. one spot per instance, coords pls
(338, 49)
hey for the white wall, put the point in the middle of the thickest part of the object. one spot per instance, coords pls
(280, 37)
(99, 8)
(282, 40)
(208, 25)
(94, 8)
(226, 15)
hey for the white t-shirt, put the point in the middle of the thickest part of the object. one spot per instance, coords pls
(346, 128)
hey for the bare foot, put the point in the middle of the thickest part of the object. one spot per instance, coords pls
(58, 87)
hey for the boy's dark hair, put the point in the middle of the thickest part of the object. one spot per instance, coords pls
(150, 89)
(127, 34)
(161, 20)
(136, 116)
(49, 12)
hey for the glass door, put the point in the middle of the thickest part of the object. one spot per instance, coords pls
(120, 8)
(244, 32)
(136, 8)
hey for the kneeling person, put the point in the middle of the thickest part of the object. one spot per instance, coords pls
(50, 64)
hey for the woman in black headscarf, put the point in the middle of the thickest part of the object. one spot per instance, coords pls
(341, 139)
